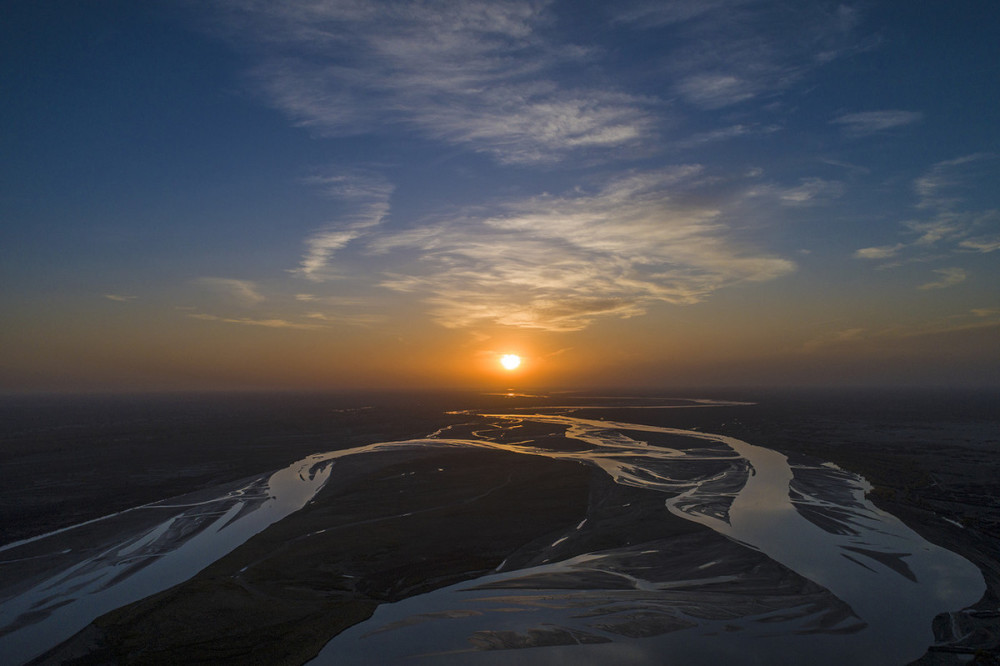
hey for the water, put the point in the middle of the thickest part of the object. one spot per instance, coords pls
(137, 563)
(893, 580)
(795, 565)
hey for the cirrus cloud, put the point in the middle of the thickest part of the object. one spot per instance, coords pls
(365, 198)
(949, 278)
(265, 323)
(951, 222)
(871, 122)
(560, 263)
(471, 72)
(244, 292)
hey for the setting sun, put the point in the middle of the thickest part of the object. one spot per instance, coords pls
(510, 361)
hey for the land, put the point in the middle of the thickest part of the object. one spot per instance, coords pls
(374, 534)
(65, 460)
(933, 459)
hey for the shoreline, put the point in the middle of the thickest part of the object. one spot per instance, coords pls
(901, 497)
(299, 574)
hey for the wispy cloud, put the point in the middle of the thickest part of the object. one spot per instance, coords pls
(365, 198)
(889, 337)
(883, 252)
(470, 72)
(715, 90)
(854, 168)
(981, 244)
(866, 123)
(949, 278)
(951, 223)
(352, 319)
(561, 262)
(725, 133)
(121, 298)
(655, 13)
(811, 191)
(244, 292)
(944, 185)
(973, 320)
(943, 228)
(730, 51)
(245, 321)
(504, 77)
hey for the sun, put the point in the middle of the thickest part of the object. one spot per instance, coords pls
(510, 361)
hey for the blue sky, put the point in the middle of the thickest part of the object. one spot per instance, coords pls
(392, 193)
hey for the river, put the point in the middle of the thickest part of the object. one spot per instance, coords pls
(840, 577)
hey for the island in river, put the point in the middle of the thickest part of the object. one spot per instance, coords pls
(530, 529)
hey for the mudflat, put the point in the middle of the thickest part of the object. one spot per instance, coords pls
(391, 525)
(386, 526)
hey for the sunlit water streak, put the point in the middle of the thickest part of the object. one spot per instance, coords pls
(135, 565)
(893, 580)
(867, 559)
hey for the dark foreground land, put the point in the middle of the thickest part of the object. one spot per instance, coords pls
(386, 527)
(286, 592)
(64, 460)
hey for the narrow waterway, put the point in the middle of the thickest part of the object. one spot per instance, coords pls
(849, 580)
(892, 581)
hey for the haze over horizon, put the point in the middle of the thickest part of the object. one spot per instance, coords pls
(356, 194)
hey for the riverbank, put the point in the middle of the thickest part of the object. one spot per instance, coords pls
(304, 580)
(374, 534)
(394, 525)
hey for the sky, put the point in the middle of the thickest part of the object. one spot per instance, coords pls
(348, 194)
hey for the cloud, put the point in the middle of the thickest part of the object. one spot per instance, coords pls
(511, 79)
(871, 122)
(119, 297)
(365, 198)
(365, 187)
(320, 247)
(811, 191)
(931, 232)
(949, 278)
(715, 90)
(353, 319)
(951, 222)
(243, 291)
(847, 165)
(656, 14)
(883, 252)
(560, 263)
(724, 133)
(981, 244)
(942, 186)
(727, 52)
(471, 72)
(976, 319)
(891, 337)
(267, 323)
